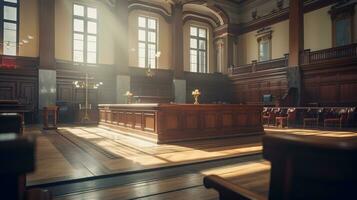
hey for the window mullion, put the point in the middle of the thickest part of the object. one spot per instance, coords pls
(198, 53)
(85, 50)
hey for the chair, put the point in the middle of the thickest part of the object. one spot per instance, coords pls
(312, 116)
(351, 116)
(17, 157)
(286, 116)
(269, 116)
(301, 168)
(336, 117)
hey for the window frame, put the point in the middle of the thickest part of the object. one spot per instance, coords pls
(341, 13)
(265, 35)
(17, 22)
(85, 33)
(198, 50)
(147, 30)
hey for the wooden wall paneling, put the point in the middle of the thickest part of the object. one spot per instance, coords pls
(21, 83)
(7, 90)
(213, 87)
(331, 83)
(67, 72)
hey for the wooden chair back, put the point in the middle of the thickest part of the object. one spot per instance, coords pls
(311, 167)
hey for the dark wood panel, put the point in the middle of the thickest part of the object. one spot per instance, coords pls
(21, 83)
(214, 88)
(159, 85)
(331, 83)
(70, 97)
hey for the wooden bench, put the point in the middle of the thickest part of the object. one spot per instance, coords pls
(302, 167)
(17, 157)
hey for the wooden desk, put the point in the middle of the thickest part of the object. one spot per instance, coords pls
(179, 122)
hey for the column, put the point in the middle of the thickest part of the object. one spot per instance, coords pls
(220, 55)
(121, 51)
(296, 45)
(47, 69)
(177, 54)
(229, 49)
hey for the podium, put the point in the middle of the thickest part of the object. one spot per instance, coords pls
(47, 111)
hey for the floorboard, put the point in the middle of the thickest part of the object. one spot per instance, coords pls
(81, 152)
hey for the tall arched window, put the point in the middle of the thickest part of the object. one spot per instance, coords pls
(9, 26)
(147, 37)
(198, 49)
(84, 34)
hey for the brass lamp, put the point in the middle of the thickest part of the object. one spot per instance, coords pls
(86, 85)
(196, 93)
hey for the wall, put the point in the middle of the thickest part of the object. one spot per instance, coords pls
(29, 25)
(186, 45)
(164, 39)
(318, 29)
(63, 30)
(248, 45)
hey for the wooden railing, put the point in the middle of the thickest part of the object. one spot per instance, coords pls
(260, 66)
(308, 57)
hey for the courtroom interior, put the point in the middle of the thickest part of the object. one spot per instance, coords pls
(178, 99)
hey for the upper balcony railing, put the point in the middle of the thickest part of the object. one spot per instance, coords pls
(307, 57)
(260, 66)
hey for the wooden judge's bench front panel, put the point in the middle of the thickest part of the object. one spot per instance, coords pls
(179, 122)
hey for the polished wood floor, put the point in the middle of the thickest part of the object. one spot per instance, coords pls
(80, 152)
(252, 175)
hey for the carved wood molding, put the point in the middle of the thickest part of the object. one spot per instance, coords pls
(280, 15)
(150, 7)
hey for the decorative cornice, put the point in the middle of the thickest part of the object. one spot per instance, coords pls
(150, 7)
(281, 15)
(189, 15)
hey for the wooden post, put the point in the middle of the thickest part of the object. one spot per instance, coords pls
(177, 40)
(296, 34)
(296, 45)
(47, 33)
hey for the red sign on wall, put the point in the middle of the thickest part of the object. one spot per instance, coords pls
(8, 62)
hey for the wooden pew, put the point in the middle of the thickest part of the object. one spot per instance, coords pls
(17, 157)
(301, 168)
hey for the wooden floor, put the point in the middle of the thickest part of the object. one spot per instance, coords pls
(81, 152)
(252, 175)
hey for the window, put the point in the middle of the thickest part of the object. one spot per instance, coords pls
(9, 26)
(264, 45)
(342, 25)
(84, 34)
(198, 49)
(147, 37)
(342, 32)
